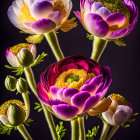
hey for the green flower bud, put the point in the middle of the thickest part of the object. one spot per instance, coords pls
(16, 114)
(10, 83)
(25, 57)
(22, 85)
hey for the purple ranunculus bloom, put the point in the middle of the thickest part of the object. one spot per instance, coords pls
(108, 19)
(39, 16)
(72, 86)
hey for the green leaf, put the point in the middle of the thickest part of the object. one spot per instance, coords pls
(89, 36)
(92, 134)
(17, 70)
(60, 130)
(39, 59)
(119, 42)
(35, 39)
(38, 107)
(28, 121)
(6, 129)
(22, 32)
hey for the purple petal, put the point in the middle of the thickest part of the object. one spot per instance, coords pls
(11, 58)
(91, 101)
(52, 102)
(122, 114)
(78, 15)
(83, 65)
(42, 94)
(103, 12)
(116, 19)
(56, 16)
(41, 26)
(68, 93)
(60, 93)
(96, 25)
(53, 91)
(65, 111)
(41, 9)
(88, 81)
(117, 34)
(87, 6)
(79, 99)
(96, 6)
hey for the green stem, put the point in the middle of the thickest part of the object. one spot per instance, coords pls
(21, 128)
(105, 130)
(98, 48)
(27, 104)
(31, 81)
(82, 128)
(75, 129)
(112, 132)
(53, 42)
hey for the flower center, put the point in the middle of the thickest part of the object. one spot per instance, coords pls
(117, 6)
(119, 99)
(15, 49)
(73, 78)
(59, 5)
(25, 15)
(4, 107)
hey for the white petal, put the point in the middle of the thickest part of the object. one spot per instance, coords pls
(122, 113)
(107, 115)
(12, 59)
(16, 8)
(33, 50)
(4, 119)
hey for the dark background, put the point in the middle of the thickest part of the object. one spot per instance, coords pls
(123, 61)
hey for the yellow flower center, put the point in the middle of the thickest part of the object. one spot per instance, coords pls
(117, 6)
(4, 107)
(59, 5)
(119, 99)
(25, 15)
(73, 78)
(15, 49)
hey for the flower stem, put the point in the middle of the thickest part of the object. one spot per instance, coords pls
(75, 129)
(27, 104)
(82, 128)
(112, 132)
(21, 128)
(105, 130)
(53, 42)
(31, 81)
(98, 48)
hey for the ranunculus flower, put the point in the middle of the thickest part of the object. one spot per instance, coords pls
(108, 19)
(20, 51)
(39, 16)
(12, 112)
(72, 86)
(119, 111)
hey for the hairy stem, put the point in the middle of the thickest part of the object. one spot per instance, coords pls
(75, 129)
(112, 132)
(21, 128)
(31, 81)
(98, 48)
(54, 44)
(27, 104)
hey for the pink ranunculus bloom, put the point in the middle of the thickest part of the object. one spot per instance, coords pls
(39, 16)
(108, 19)
(119, 111)
(72, 86)
(12, 53)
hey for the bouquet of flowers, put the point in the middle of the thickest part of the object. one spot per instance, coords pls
(73, 87)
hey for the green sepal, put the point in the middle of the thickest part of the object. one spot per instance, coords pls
(90, 36)
(38, 107)
(35, 39)
(28, 121)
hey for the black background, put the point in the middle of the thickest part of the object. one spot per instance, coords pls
(123, 61)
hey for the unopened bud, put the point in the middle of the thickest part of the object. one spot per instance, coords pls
(10, 83)
(25, 57)
(16, 114)
(22, 85)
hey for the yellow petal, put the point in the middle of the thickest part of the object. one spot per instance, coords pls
(34, 39)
